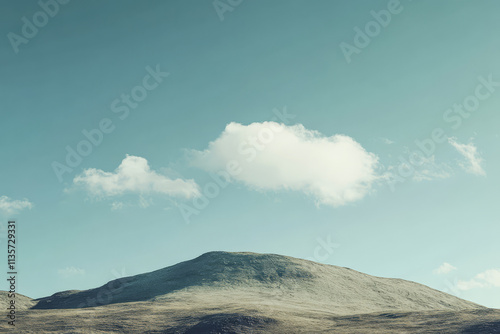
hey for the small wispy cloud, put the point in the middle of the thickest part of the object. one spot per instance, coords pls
(487, 279)
(473, 159)
(116, 206)
(443, 269)
(70, 272)
(431, 170)
(9, 206)
(145, 202)
(387, 141)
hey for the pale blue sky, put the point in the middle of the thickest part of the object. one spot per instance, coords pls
(263, 56)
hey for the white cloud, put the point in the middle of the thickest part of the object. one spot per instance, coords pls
(473, 160)
(491, 277)
(133, 175)
(70, 272)
(334, 170)
(445, 268)
(467, 285)
(487, 279)
(431, 170)
(9, 206)
(387, 141)
(116, 206)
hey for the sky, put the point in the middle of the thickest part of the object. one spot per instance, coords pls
(138, 134)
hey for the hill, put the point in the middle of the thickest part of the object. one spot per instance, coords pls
(269, 276)
(222, 292)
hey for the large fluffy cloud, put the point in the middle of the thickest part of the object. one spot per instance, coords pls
(10, 206)
(469, 152)
(334, 170)
(133, 175)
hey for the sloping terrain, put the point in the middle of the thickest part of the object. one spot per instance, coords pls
(222, 292)
(272, 277)
(21, 302)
